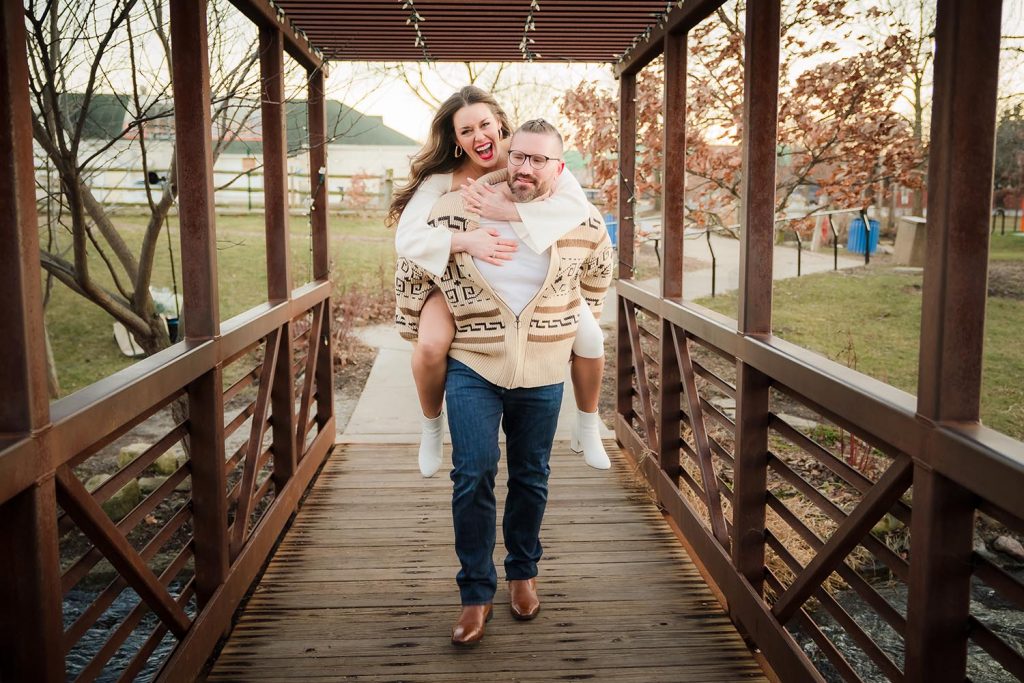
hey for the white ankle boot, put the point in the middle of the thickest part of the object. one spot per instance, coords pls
(431, 445)
(586, 439)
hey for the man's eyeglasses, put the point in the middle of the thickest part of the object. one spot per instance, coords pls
(538, 161)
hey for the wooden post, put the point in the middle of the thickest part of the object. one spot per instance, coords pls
(30, 621)
(673, 192)
(279, 278)
(952, 327)
(30, 591)
(275, 164)
(321, 243)
(627, 173)
(191, 69)
(627, 181)
(757, 217)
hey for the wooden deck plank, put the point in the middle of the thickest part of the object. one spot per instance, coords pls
(362, 588)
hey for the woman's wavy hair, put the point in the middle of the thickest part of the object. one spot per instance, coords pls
(438, 154)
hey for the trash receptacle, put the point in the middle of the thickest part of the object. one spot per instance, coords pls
(612, 225)
(855, 239)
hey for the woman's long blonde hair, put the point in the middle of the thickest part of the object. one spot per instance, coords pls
(438, 154)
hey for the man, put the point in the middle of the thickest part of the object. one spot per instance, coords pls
(515, 327)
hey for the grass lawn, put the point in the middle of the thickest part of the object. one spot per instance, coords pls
(867, 319)
(870, 319)
(1009, 247)
(362, 251)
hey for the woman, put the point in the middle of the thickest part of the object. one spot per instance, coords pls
(469, 138)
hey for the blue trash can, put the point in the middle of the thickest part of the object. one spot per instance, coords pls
(612, 225)
(855, 237)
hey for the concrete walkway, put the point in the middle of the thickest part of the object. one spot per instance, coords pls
(388, 410)
(697, 283)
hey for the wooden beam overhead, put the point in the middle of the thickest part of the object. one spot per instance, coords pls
(435, 30)
(301, 49)
(679, 20)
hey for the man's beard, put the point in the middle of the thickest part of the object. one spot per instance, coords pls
(526, 193)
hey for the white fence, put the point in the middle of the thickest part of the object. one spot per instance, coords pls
(235, 189)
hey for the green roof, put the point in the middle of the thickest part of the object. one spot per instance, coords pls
(345, 125)
(106, 114)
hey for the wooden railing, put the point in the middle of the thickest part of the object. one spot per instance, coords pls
(838, 539)
(795, 519)
(91, 585)
(256, 483)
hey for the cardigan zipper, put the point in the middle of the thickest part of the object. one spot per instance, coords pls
(554, 263)
(519, 356)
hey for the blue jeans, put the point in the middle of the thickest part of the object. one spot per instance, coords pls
(529, 417)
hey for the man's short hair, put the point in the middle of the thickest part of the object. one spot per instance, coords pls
(541, 127)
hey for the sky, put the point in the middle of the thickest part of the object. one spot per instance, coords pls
(366, 88)
(374, 92)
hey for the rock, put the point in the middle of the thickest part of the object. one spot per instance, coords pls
(185, 485)
(982, 549)
(1008, 545)
(179, 454)
(124, 501)
(149, 484)
(169, 462)
(723, 402)
(95, 481)
(799, 423)
(885, 525)
(130, 452)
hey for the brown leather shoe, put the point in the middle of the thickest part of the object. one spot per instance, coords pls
(470, 628)
(523, 598)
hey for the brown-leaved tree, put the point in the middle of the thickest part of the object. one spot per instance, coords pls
(841, 135)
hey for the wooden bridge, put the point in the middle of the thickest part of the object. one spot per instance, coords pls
(362, 588)
(724, 570)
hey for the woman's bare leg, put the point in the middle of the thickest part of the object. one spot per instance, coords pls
(586, 376)
(430, 353)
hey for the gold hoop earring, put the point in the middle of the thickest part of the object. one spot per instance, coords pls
(458, 151)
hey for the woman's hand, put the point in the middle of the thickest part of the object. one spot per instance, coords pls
(485, 245)
(493, 202)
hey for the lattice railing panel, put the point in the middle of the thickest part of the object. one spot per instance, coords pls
(125, 526)
(997, 598)
(819, 476)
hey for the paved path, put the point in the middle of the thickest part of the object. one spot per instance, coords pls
(388, 410)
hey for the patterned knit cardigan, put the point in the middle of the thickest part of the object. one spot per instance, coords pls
(528, 350)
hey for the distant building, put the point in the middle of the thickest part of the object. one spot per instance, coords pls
(360, 147)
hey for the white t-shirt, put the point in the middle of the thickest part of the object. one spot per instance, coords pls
(518, 280)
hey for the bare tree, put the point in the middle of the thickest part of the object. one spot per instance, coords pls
(83, 51)
(915, 19)
(79, 50)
